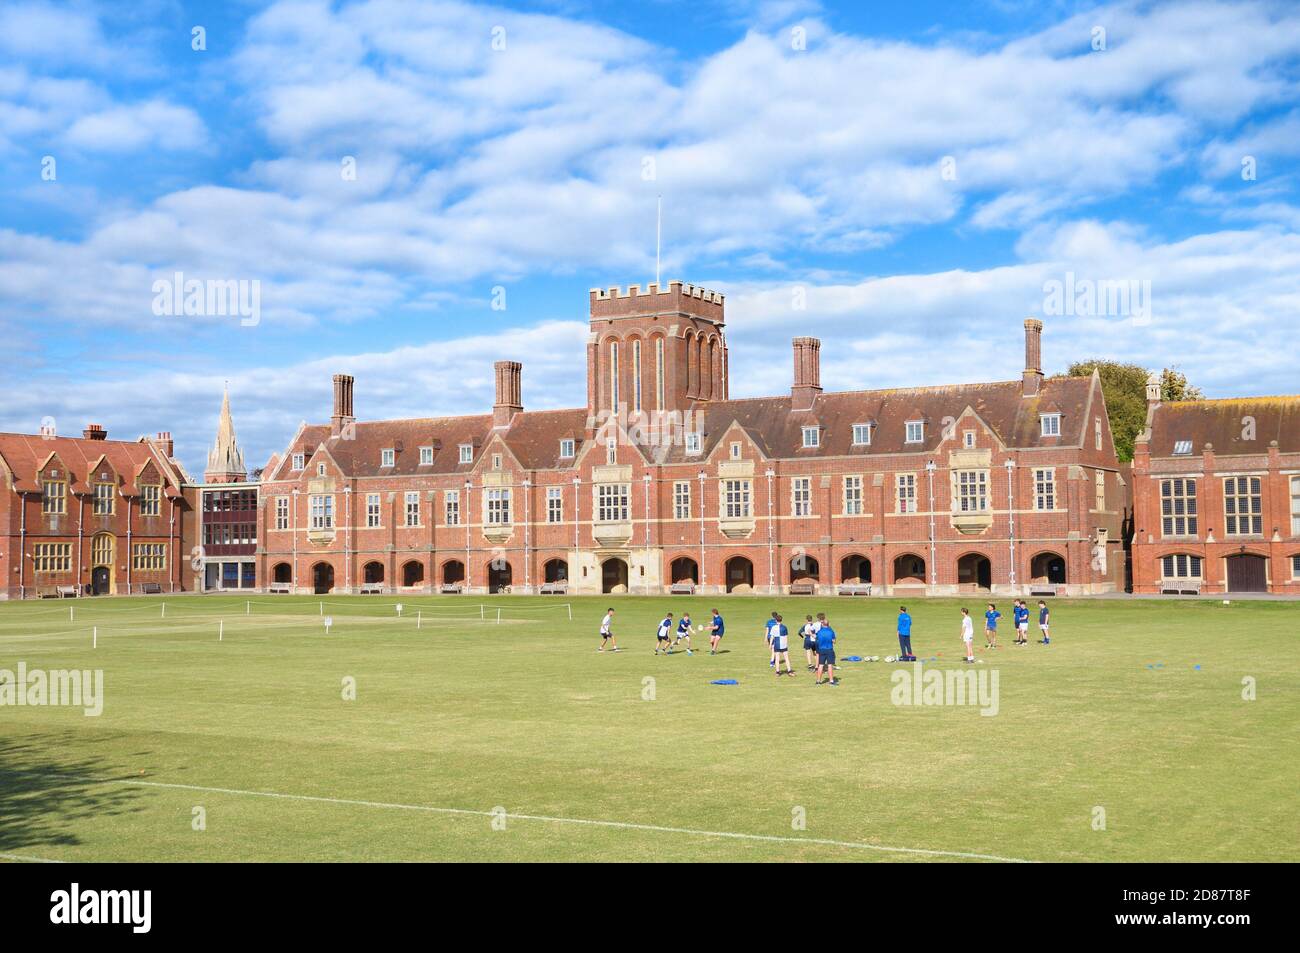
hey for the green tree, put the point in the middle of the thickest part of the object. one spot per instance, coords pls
(1125, 389)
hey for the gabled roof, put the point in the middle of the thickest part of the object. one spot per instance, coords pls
(1224, 424)
(26, 454)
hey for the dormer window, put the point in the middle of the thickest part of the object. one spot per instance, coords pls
(916, 431)
(861, 435)
(299, 461)
(812, 437)
(426, 456)
(1050, 424)
(566, 448)
(1182, 447)
(387, 457)
(692, 443)
(466, 453)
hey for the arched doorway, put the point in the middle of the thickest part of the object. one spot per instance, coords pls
(499, 576)
(613, 575)
(909, 570)
(974, 571)
(322, 578)
(1247, 573)
(282, 572)
(855, 568)
(684, 569)
(413, 573)
(103, 552)
(740, 574)
(805, 568)
(1048, 568)
(372, 573)
(453, 573)
(555, 570)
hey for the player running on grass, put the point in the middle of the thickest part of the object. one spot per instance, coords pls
(716, 629)
(808, 630)
(826, 655)
(968, 634)
(781, 647)
(607, 632)
(665, 630)
(684, 632)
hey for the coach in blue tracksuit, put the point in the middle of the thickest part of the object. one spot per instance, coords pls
(904, 632)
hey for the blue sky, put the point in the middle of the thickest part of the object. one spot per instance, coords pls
(916, 174)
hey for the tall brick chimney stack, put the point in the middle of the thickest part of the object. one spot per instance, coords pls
(509, 399)
(94, 432)
(807, 373)
(1033, 376)
(165, 443)
(342, 417)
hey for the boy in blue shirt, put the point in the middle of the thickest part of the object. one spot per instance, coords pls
(716, 628)
(905, 634)
(781, 646)
(826, 655)
(684, 632)
(991, 616)
(772, 623)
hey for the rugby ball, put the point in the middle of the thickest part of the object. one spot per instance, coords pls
(890, 658)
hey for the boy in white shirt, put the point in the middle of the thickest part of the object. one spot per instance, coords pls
(967, 634)
(606, 633)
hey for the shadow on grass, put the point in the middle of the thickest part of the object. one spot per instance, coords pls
(44, 801)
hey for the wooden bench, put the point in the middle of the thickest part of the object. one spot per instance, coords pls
(68, 592)
(553, 588)
(854, 589)
(47, 592)
(372, 589)
(452, 588)
(283, 587)
(1180, 588)
(803, 588)
(682, 589)
(150, 588)
(1043, 589)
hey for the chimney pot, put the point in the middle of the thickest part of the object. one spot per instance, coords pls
(807, 373)
(1033, 375)
(509, 392)
(94, 432)
(342, 416)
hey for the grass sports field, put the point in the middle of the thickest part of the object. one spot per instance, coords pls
(473, 739)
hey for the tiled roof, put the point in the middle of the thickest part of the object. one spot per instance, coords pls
(533, 437)
(1225, 424)
(26, 454)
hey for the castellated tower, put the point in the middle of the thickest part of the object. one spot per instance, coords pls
(655, 349)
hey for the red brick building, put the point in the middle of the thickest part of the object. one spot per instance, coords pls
(91, 515)
(1216, 492)
(1006, 487)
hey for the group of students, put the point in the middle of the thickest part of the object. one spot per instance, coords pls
(819, 637)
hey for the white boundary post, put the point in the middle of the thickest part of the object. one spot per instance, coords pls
(94, 637)
(221, 630)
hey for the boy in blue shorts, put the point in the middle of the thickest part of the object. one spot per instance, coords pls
(826, 656)
(781, 646)
(1044, 621)
(991, 616)
(684, 632)
(661, 637)
(716, 629)
(771, 624)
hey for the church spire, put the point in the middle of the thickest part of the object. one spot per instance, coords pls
(225, 459)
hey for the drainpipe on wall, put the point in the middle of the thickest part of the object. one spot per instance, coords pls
(347, 539)
(81, 532)
(465, 583)
(702, 563)
(934, 569)
(528, 525)
(1011, 516)
(771, 569)
(294, 532)
(128, 546)
(22, 544)
(171, 547)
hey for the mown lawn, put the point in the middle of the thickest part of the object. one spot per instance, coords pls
(465, 716)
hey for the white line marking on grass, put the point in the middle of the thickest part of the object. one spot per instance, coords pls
(22, 858)
(620, 825)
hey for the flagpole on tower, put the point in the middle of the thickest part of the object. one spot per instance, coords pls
(659, 220)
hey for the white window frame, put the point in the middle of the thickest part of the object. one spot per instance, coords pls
(613, 502)
(905, 493)
(321, 509)
(735, 450)
(567, 448)
(801, 496)
(737, 499)
(281, 512)
(611, 450)
(681, 499)
(426, 456)
(374, 511)
(1295, 506)
(1045, 488)
(320, 468)
(298, 461)
(555, 504)
(968, 439)
(496, 506)
(970, 491)
(693, 443)
(466, 453)
(812, 437)
(915, 432)
(1182, 566)
(853, 494)
(413, 508)
(387, 457)
(1253, 496)
(862, 435)
(496, 461)
(451, 507)
(1049, 425)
